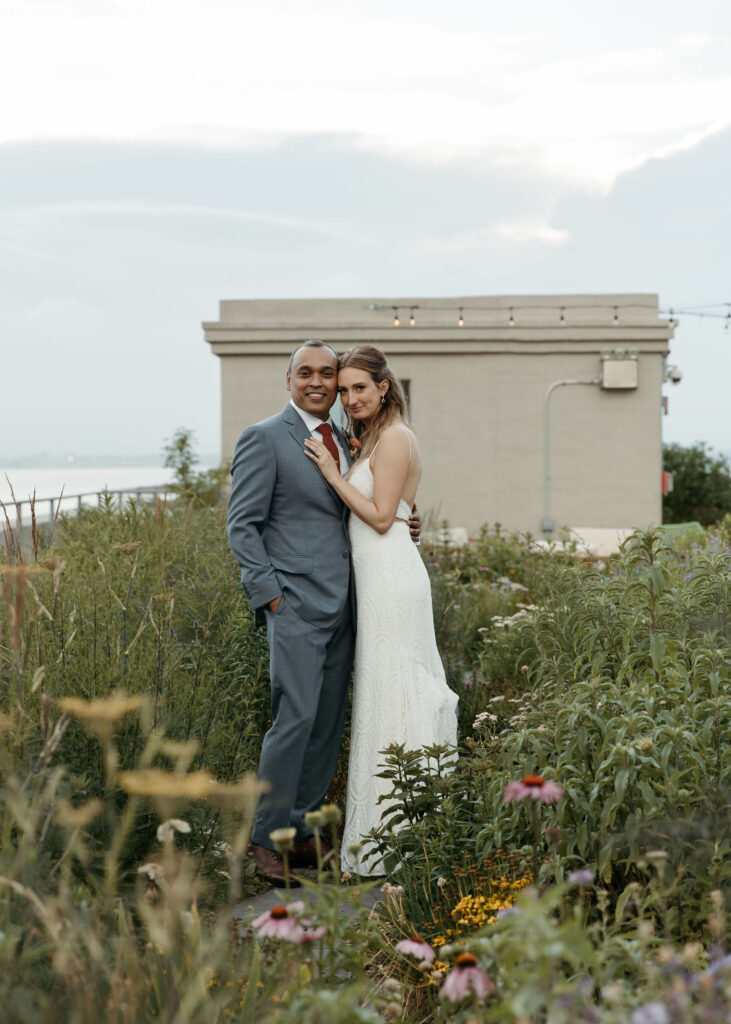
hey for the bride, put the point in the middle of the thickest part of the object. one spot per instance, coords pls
(400, 694)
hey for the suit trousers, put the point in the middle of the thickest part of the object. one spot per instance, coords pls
(310, 671)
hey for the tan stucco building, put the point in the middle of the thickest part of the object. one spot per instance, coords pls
(486, 376)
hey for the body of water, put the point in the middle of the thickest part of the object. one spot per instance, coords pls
(50, 481)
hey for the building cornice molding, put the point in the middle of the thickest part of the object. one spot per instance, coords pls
(527, 323)
(519, 343)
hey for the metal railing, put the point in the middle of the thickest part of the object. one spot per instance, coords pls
(68, 503)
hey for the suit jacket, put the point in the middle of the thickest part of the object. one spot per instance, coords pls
(286, 525)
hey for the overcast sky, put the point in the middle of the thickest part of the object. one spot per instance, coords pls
(157, 156)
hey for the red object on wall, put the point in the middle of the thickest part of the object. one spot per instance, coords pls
(667, 482)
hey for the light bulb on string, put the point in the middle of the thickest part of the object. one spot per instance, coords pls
(412, 319)
(562, 318)
(460, 322)
(396, 321)
(511, 321)
(615, 320)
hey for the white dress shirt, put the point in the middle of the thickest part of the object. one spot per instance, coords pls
(312, 423)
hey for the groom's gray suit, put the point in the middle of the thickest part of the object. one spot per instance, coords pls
(288, 530)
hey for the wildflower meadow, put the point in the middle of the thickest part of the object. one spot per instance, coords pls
(571, 865)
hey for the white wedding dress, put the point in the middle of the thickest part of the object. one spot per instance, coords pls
(400, 694)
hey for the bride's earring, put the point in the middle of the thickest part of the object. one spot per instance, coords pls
(383, 399)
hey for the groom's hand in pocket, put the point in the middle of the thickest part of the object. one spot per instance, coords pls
(274, 605)
(415, 524)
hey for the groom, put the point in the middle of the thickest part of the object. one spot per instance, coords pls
(288, 531)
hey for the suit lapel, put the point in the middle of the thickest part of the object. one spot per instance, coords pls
(297, 429)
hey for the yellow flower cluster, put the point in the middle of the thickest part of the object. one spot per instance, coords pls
(438, 969)
(473, 912)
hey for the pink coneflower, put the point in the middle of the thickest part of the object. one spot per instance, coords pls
(535, 787)
(466, 977)
(309, 934)
(416, 947)
(281, 922)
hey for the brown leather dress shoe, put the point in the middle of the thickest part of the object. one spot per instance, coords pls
(271, 866)
(304, 853)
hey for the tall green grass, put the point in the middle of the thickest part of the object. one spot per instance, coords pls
(131, 676)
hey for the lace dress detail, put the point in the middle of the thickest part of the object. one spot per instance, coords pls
(400, 694)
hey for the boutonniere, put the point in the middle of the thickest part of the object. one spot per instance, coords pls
(353, 445)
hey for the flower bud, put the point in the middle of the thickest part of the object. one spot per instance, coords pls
(331, 814)
(283, 839)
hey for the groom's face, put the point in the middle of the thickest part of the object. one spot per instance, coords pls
(313, 380)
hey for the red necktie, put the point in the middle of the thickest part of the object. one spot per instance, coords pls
(327, 439)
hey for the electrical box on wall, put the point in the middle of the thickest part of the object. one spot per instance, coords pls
(619, 369)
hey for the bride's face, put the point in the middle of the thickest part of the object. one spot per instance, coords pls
(359, 393)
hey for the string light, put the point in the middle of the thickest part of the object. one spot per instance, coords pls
(716, 311)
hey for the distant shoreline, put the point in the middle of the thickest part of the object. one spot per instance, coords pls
(73, 479)
(64, 462)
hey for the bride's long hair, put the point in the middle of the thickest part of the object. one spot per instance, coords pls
(393, 407)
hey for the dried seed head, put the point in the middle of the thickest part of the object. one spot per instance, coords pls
(154, 782)
(80, 816)
(129, 548)
(101, 715)
(331, 814)
(283, 839)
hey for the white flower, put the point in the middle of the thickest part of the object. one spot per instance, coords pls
(153, 871)
(484, 716)
(168, 829)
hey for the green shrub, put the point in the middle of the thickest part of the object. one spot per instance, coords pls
(628, 708)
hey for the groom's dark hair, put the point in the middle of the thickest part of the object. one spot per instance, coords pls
(313, 343)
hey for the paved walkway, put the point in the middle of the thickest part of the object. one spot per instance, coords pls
(256, 905)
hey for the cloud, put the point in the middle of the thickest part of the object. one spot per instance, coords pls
(578, 98)
(519, 232)
(111, 255)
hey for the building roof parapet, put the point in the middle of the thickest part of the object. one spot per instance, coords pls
(467, 323)
(476, 312)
